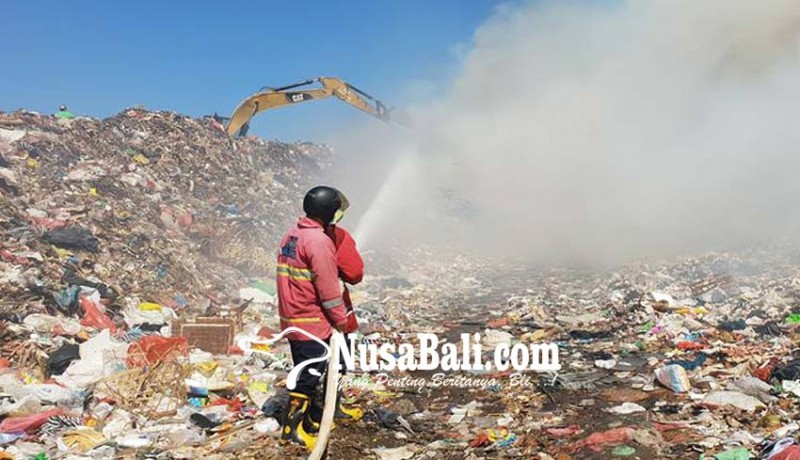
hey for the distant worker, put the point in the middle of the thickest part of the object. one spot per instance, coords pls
(311, 298)
(64, 113)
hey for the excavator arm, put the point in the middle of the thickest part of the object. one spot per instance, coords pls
(271, 98)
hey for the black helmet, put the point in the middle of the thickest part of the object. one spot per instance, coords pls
(323, 202)
(62, 108)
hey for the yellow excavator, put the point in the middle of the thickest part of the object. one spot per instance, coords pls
(271, 98)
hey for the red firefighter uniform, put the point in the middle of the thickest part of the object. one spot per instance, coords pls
(351, 267)
(309, 292)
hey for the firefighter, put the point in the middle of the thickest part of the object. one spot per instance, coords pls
(351, 271)
(311, 298)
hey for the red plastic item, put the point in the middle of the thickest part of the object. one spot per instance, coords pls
(49, 224)
(764, 372)
(564, 432)
(93, 317)
(481, 440)
(184, 220)
(789, 453)
(690, 346)
(234, 405)
(595, 440)
(266, 332)
(151, 349)
(27, 423)
(669, 426)
(498, 323)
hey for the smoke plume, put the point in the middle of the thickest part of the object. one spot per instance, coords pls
(584, 134)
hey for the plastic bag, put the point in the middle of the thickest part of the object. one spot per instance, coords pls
(73, 237)
(27, 423)
(94, 317)
(152, 349)
(674, 377)
(59, 360)
(733, 398)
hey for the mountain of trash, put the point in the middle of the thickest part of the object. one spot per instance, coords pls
(153, 204)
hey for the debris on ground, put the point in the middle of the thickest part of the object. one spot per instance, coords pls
(137, 254)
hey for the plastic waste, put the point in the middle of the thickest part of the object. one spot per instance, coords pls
(275, 405)
(134, 440)
(627, 408)
(24, 405)
(46, 324)
(623, 451)
(787, 371)
(260, 387)
(117, 424)
(395, 453)
(91, 367)
(147, 313)
(80, 440)
(184, 437)
(605, 363)
(93, 315)
(27, 423)
(793, 318)
(59, 360)
(792, 386)
(495, 337)
(734, 399)
(564, 432)
(55, 394)
(791, 452)
(735, 325)
(674, 377)
(73, 237)
(773, 449)
(67, 300)
(8, 438)
(152, 349)
(690, 364)
(739, 453)
(601, 438)
(268, 425)
(753, 387)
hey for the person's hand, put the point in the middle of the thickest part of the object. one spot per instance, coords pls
(347, 327)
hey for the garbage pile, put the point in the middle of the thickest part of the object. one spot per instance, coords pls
(129, 245)
(153, 202)
(688, 359)
(136, 291)
(695, 359)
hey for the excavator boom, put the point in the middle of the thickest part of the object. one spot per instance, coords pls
(270, 98)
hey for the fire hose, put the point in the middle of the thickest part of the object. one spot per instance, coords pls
(332, 378)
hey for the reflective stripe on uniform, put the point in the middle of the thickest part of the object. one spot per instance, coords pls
(301, 320)
(333, 303)
(300, 274)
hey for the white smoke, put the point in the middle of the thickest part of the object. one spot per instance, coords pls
(585, 133)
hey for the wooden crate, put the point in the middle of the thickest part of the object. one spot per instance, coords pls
(212, 334)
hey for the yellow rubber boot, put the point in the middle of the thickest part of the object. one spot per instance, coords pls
(293, 430)
(343, 415)
(313, 418)
(346, 414)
